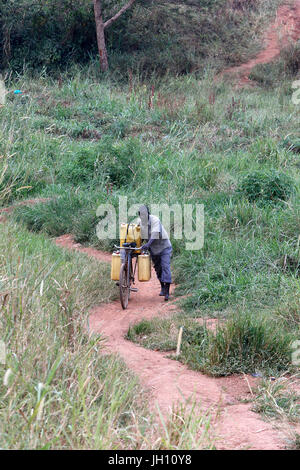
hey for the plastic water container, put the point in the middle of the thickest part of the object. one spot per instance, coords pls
(144, 267)
(132, 235)
(115, 266)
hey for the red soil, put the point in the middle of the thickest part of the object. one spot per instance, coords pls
(169, 381)
(285, 29)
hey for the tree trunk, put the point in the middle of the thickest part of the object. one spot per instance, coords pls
(100, 35)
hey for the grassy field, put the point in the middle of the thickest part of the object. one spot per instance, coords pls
(58, 389)
(196, 142)
(82, 140)
(156, 131)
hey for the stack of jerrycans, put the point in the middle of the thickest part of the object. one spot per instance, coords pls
(131, 233)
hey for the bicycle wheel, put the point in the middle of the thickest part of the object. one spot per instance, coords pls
(124, 287)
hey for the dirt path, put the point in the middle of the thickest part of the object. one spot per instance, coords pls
(169, 381)
(286, 28)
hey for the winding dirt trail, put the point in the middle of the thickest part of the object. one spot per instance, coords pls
(168, 381)
(285, 29)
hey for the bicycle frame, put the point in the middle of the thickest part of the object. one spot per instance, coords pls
(128, 260)
(126, 267)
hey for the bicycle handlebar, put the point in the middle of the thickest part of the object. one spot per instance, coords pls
(127, 248)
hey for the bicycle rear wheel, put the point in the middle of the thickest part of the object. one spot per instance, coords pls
(124, 287)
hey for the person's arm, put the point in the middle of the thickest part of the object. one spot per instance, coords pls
(154, 236)
(148, 244)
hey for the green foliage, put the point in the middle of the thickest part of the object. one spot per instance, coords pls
(142, 328)
(109, 161)
(54, 217)
(264, 186)
(154, 36)
(58, 377)
(286, 66)
(58, 389)
(161, 153)
(245, 343)
(49, 33)
(277, 400)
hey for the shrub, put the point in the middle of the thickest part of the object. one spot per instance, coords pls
(121, 161)
(108, 160)
(83, 166)
(245, 343)
(265, 186)
(54, 217)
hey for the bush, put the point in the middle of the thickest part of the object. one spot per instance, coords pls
(151, 37)
(54, 217)
(50, 34)
(263, 186)
(121, 161)
(245, 343)
(110, 161)
(82, 167)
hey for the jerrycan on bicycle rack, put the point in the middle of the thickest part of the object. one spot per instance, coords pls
(144, 267)
(115, 266)
(131, 233)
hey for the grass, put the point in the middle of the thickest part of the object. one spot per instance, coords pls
(278, 400)
(154, 38)
(83, 141)
(174, 150)
(58, 389)
(243, 343)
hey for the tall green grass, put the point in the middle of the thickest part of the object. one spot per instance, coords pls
(176, 140)
(59, 388)
(175, 149)
(244, 343)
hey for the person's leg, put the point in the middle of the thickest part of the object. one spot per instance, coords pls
(157, 266)
(166, 276)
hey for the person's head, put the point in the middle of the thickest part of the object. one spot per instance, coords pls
(144, 216)
(144, 212)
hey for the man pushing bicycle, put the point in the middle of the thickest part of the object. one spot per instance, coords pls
(159, 246)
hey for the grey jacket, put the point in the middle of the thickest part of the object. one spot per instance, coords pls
(158, 232)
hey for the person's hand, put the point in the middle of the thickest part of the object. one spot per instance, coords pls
(144, 247)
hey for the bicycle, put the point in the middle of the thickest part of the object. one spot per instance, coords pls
(127, 273)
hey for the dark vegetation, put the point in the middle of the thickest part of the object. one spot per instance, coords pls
(82, 139)
(153, 37)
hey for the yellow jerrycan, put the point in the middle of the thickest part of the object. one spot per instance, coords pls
(131, 233)
(115, 266)
(144, 267)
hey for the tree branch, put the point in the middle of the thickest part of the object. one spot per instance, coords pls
(117, 15)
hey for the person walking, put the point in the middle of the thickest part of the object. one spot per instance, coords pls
(159, 246)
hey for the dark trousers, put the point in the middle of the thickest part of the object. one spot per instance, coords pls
(162, 265)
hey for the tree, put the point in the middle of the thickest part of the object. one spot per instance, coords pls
(100, 29)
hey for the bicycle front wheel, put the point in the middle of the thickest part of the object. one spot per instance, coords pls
(124, 287)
